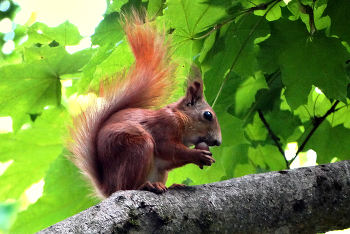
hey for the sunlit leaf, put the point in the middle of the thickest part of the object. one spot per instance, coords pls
(109, 31)
(64, 34)
(64, 195)
(330, 142)
(32, 151)
(35, 84)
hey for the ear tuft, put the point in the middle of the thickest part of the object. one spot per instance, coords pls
(194, 91)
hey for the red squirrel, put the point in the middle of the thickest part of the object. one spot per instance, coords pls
(119, 143)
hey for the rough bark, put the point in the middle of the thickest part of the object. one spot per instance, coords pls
(304, 200)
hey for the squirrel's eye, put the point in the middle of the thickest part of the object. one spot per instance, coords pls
(208, 115)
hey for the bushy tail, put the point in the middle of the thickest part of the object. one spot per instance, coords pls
(148, 83)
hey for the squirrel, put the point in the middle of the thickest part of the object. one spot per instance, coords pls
(120, 143)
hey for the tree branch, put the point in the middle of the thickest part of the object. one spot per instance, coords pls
(304, 200)
(316, 125)
(275, 138)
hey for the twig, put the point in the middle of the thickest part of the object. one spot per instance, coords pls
(317, 123)
(216, 27)
(262, 6)
(155, 15)
(273, 136)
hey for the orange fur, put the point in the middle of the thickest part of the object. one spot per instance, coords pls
(120, 144)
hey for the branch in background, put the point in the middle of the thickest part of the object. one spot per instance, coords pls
(317, 123)
(273, 136)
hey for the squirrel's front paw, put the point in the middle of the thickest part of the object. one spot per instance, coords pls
(204, 158)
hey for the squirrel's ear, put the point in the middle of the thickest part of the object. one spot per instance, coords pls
(194, 92)
(194, 86)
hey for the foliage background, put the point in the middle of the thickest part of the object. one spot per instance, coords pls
(261, 61)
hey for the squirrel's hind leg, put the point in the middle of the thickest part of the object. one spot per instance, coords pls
(128, 154)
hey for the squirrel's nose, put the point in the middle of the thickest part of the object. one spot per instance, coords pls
(217, 143)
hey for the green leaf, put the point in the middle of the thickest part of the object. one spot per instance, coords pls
(7, 212)
(339, 14)
(273, 14)
(59, 61)
(330, 142)
(317, 9)
(341, 116)
(267, 158)
(234, 50)
(317, 106)
(109, 32)
(33, 85)
(316, 65)
(265, 99)
(283, 34)
(291, 49)
(115, 6)
(65, 34)
(210, 174)
(120, 60)
(244, 169)
(242, 94)
(155, 8)
(89, 69)
(106, 64)
(232, 160)
(32, 150)
(64, 195)
(191, 17)
(283, 124)
(30, 87)
(256, 131)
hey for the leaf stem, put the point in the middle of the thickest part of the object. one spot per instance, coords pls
(273, 136)
(317, 123)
